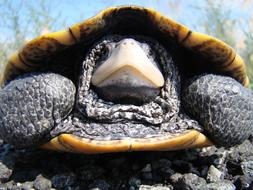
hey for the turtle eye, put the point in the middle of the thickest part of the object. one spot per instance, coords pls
(109, 47)
(106, 51)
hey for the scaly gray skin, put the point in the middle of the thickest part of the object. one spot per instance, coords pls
(222, 105)
(38, 107)
(32, 105)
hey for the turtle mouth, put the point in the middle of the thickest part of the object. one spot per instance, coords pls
(128, 75)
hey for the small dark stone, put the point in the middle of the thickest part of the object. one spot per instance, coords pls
(158, 164)
(243, 182)
(5, 172)
(7, 162)
(191, 155)
(234, 168)
(193, 169)
(147, 172)
(91, 172)
(99, 185)
(42, 183)
(134, 182)
(161, 169)
(204, 170)
(147, 168)
(181, 166)
(63, 180)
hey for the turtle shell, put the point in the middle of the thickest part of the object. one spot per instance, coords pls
(202, 52)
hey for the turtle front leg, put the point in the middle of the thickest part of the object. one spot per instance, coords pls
(222, 105)
(32, 105)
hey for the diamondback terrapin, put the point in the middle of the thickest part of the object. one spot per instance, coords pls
(127, 79)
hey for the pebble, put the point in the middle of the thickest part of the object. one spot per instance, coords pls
(175, 178)
(99, 185)
(147, 168)
(8, 185)
(222, 185)
(243, 182)
(42, 183)
(7, 162)
(60, 181)
(134, 182)
(5, 172)
(213, 174)
(147, 172)
(161, 169)
(147, 187)
(247, 168)
(241, 152)
(189, 181)
(204, 170)
(27, 185)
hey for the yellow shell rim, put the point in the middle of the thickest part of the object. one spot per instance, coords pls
(74, 144)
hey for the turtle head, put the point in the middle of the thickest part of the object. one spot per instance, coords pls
(128, 72)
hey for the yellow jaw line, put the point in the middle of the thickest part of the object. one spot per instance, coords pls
(128, 56)
(72, 143)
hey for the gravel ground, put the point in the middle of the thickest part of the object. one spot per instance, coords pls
(204, 169)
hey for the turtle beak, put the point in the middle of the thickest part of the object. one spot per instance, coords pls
(128, 69)
(127, 60)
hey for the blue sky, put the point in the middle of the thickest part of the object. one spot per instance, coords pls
(76, 11)
(73, 11)
(182, 10)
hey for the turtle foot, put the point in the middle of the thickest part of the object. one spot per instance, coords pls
(222, 105)
(32, 105)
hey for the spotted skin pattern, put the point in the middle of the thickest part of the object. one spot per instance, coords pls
(223, 107)
(32, 105)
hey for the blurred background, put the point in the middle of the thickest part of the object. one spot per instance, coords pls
(229, 20)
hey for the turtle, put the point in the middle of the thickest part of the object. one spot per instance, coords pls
(127, 79)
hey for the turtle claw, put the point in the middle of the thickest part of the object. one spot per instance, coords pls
(222, 105)
(32, 105)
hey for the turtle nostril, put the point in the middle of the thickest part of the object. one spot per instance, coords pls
(129, 41)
